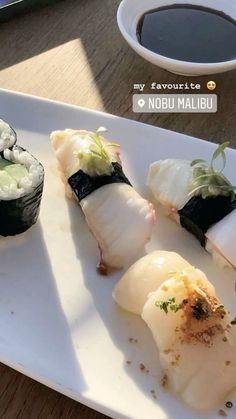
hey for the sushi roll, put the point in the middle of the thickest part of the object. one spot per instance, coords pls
(7, 136)
(196, 339)
(145, 276)
(21, 187)
(119, 218)
(201, 199)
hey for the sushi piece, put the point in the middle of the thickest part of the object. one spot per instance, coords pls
(196, 338)
(145, 276)
(164, 176)
(7, 136)
(21, 187)
(201, 199)
(119, 218)
(220, 240)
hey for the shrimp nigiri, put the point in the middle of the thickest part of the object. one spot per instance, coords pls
(119, 218)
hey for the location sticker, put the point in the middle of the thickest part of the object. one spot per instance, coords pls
(141, 103)
(175, 103)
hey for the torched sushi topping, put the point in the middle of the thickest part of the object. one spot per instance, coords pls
(98, 154)
(209, 182)
(201, 312)
(201, 306)
(198, 306)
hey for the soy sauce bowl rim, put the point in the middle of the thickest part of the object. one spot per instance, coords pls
(135, 44)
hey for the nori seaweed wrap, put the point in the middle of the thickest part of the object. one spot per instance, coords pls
(199, 214)
(21, 187)
(83, 184)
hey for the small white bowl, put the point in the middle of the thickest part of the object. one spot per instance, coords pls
(129, 13)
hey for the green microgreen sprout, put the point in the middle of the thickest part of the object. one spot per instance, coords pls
(207, 181)
(96, 159)
(168, 304)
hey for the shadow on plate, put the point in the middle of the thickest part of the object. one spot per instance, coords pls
(34, 332)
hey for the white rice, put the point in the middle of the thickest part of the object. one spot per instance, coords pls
(7, 136)
(28, 183)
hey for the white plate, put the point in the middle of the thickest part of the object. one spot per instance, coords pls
(58, 323)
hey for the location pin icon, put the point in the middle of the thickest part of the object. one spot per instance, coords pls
(141, 103)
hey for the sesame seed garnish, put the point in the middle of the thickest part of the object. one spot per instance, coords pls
(164, 380)
(142, 366)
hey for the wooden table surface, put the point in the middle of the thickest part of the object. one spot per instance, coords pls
(73, 52)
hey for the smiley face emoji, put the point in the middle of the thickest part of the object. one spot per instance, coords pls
(211, 85)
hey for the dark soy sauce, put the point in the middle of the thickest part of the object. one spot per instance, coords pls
(189, 33)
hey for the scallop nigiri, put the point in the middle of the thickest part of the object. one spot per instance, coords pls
(196, 338)
(145, 276)
(119, 218)
(201, 199)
